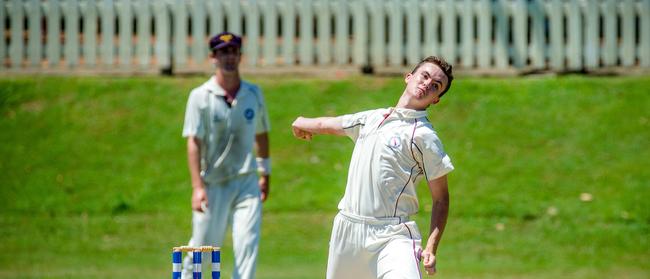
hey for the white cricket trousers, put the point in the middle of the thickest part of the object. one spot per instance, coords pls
(373, 248)
(234, 203)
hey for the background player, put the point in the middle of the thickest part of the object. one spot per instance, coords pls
(224, 119)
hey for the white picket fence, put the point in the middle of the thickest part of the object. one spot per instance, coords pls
(144, 35)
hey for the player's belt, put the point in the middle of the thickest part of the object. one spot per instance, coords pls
(369, 220)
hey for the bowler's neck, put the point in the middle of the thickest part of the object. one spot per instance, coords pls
(405, 101)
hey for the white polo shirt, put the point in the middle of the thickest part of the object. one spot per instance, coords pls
(227, 131)
(394, 149)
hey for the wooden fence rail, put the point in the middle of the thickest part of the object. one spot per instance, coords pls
(147, 36)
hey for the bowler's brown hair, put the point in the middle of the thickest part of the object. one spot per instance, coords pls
(444, 66)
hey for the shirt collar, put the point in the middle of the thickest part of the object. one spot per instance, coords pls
(408, 113)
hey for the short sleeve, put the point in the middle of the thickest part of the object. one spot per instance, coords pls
(435, 161)
(353, 123)
(263, 122)
(193, 125)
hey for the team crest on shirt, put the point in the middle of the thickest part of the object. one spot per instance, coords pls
(394, 142)
(249, 113)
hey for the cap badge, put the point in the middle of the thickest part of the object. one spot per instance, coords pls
(225, 37)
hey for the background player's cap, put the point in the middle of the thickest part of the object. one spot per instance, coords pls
(225, 39)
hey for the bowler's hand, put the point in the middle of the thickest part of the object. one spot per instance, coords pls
(199, 198)
(298, 132)
(264, 186)
(429, 261)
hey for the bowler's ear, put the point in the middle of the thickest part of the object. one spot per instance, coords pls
(436, 100)
(407, 77)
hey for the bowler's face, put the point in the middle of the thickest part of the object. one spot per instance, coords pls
(227, 59)
(426, 84)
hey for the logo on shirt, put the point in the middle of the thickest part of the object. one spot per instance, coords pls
(395, 142)
(249, 114)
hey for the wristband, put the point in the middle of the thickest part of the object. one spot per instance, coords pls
(264, 165)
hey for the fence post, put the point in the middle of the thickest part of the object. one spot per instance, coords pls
(537, 41)
(179, 53)
(396, 37)
(143, 47)
(592, 40)
(627, 50)
(16, 48)
(431, 24)
(485, 33)
(555, 13)
(34, 50)
(215, 12)
(501, 34)
(199, 46)
(235, 17)
(251, 47)
(306, 35)
(342, 36)
(270, 32)
(3, 45)
(163, 36)
(414, 35)
(360, 33)
(125, 18)
(467, 14)
(90, 33)
(575, 35)
(609, 30)
(377, 34)
(71, 11)
(520, 33)
(449, 31)
(289, 32)
(644, 45)
(324, 32)
(108, 31)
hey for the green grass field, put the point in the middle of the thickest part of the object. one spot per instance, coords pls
(94, 183)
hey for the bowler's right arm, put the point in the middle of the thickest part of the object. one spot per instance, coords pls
(304, 128)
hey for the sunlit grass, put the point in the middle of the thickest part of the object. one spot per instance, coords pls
(94, 183)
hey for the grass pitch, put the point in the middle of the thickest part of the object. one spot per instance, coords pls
(94, 183)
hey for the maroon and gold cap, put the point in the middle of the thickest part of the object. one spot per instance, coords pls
(225, 39)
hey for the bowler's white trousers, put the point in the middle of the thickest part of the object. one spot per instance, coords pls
(373, 248)
(237, 203)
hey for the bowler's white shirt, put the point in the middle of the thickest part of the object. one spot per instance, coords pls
(227, 131)
(394, 148)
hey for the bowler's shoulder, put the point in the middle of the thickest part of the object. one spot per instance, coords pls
(426, 132)
(366, 115)
(375, 113)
